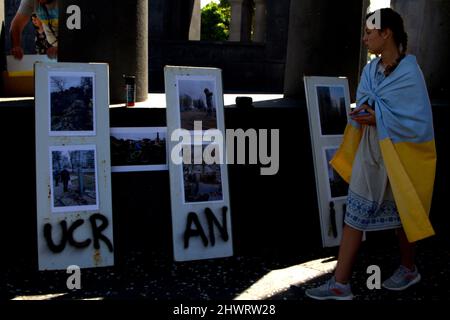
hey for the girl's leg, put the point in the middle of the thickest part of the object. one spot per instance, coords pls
(350, 243)
(407, 274)
(407, 250)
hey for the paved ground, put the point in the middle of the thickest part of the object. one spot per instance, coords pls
(155, 277)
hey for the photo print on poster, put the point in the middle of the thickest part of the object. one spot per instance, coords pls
(338, 187)
(138, 149)
(73, 172)
(202, 182)
(72, 103)
(197, 101)
(332, 109)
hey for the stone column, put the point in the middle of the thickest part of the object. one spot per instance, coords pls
(246, 22)
(112, 31)
(196, 22)
(363, 52)
(260, 21)
(428, 26)
(3, 32)
(2, 14)
(180, 15)
(236, 20)
(324, 40)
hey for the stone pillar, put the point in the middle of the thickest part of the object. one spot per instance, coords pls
(324, 40)
(180, 15)
(236, 20)
(260, 21)
(246, 22)
(428, 26)
(196, 21)
(3, 33)
(364, 53)
(2, 14)
(112, 31)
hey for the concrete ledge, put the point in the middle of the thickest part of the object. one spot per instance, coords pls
(158, 100)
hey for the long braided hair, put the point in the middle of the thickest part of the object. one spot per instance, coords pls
(391, 19)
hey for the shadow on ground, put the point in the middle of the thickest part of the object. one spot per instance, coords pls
(156, 277)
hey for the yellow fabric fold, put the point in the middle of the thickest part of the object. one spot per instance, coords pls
(411, 171)
(343, 159)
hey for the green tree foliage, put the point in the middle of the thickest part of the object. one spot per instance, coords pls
(216, 21)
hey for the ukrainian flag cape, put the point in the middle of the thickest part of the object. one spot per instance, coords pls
(406, 136)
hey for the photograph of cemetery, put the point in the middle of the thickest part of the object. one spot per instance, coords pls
(202, 182)
(74, 173)
(332, 109)
(197, 100)
(338, 186)
(138, 149)
(72, 103)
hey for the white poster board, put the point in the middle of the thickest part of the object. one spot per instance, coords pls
(328, 102)
(73, 170)
(24, 66)
(200, 202)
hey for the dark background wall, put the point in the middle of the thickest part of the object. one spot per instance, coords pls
(112, 31)
(324, 40)
(428, 26)
(247, 66)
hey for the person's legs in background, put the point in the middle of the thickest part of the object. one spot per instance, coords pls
(407, 250)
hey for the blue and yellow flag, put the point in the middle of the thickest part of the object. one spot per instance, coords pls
(405, 130)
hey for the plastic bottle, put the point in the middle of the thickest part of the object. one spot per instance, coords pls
(130, 90)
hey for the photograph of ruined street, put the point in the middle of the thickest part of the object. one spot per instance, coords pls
(332, 109)
(197, 103)
(202, 182)
(138, 147)
(74, 179)
(71, 103)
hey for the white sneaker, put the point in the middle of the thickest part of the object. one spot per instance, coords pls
(331, 290)
(402, 279)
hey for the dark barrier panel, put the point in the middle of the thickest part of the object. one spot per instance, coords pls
(141, 200)
(18, 193)
(271, 215)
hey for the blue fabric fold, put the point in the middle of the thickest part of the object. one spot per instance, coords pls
(402, 106)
